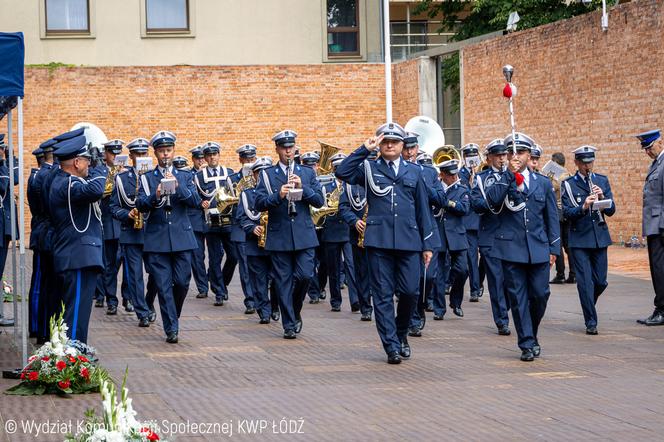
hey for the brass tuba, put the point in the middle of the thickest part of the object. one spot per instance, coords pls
(330, 207)
(326, 152)
(226, 198)
(445, 153)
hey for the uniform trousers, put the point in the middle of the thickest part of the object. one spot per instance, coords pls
(292, 274)
(361, 273)
(656, 258)
(473, 262)
(453, 267)
(427, 282)
(215, 247)
(239, 250)
(78, 289)
(527, 286)
(333, 251)
(393, 271)
(35, 295)
(171, 272)
(495, 283)
(133, 274)
(231, 258)
(198, 264)
(259, 273)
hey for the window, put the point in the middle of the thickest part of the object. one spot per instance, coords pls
(167, 15)
(67, 16)
(343, 31)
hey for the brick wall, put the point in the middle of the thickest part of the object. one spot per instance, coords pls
(578, 85)
(405, 89)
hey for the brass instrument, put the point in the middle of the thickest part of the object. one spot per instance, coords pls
(445, 153)
(360, 237)
(225, 198)
(246, 182)
(263, 223)
(138, 221)
(110, 180)
(326, 152)
(330, 207)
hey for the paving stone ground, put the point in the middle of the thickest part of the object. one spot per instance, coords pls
(464, 382)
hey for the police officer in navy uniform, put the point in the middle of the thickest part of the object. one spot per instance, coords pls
(77, 241)
(397, 234)
(535, 155)
(496, 153)
(452, 257)
(258, 260)
(527, 240)
(169, 239)
(287, 191)
(5, 202)
(316, 290)
(334, 236)
(588, 233)
(247, 156)
(123, 208)
(653, 219)
(197, 219)
(467, 172)
(108, 283)
(35, 226)
(209, 181)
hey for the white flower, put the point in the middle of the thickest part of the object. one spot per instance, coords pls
(71, 351)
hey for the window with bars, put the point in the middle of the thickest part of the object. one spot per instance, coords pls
(167, 16)
(343, 30)
(67, 16)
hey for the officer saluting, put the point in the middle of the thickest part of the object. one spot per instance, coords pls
(77, 240)
(287, 191)
(164, 195)
(527, 240)
(588, 234)
(653, 219)
(397, 234)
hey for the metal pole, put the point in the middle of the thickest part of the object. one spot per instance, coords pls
(605, 17)
(12, 217)
(388, 60)
(21, 229)
(408, 27)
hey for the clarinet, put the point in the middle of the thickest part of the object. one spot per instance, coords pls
(601, 221)
(167, 206)
(292, 210)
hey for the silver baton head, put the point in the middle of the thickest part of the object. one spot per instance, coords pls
(508, 71)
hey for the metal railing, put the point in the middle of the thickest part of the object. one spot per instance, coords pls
(407, 37)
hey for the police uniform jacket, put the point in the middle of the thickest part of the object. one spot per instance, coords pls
(5, 205)
(111, 225)
(77, 230)
(335, 229)
(33, 203)
(352, 205)
(237, 234)
(165, 231)
(283, 232)
(529, 227)
(207, 185)
(196, 214)
(585, 229)
(434, 188)
(248, 219)
(489, 221)
(123, 201)
(399, 216)
(653, 199)
(451, 219)
(472, 220)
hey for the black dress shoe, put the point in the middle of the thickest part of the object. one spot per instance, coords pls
(457, 311)
(366, 317)
(405, 348)
(504, 330)
(438, 317)
(152, 316)
(415, 332)
(474, 298)
(335, 309)
(355, 307)
(570, 280)
(172, 338)
(129, 307)
(323, 295)
(657, 318)
(290, 334)
(537, 350)
(219, 302)
(314, 301)
(275, 315)
(250, 311)
(559, 279)
(225, 296)
(591, 330)
(481, 292)
(99, 302)
(298, 325)
(111, 310)
(429, 307)
(264, 321)
(143, 322)
(393, 358)
(201, 295)
(527, 355)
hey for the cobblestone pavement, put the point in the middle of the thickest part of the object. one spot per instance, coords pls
(464, 382)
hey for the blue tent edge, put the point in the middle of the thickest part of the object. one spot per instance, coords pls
(12, 80)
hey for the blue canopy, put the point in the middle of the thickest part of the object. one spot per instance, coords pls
(12, 55)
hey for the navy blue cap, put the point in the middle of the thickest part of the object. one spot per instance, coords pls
(246, 151)
(585, 154)
(310, 158)
(179, 162)
(648, 138)
(536, 151)
(410, 140)
(496, 146)
(72, 148)
(163, 138)
(449, 166)
(47, 146)
(261, 163)
(337, 158)
(197, 153)
(211, 147)
(424, 158)
(114, 146)
(523, 141)
(285, 138)
(470, 149)
(69, 135)
(38, 152)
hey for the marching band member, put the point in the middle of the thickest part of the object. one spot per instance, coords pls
(559, 158)
(197, 219)
(472, 222)
(653, 219)
(453, 254)
(287, 191)
(168, 239)
(108, 283)
(247, 156)
(209, 181)
(180, 163)
(77, 240)
(527, 240)
(123, 208)
(489, 223)
(398, 232)
(535, 155)
(316, 289)
(588, 234)
(35, 225)
(5, 202)
(258, 260)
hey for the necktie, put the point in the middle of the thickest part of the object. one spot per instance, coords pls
(393, 167)
(214, 172)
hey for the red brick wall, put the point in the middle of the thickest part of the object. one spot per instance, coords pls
(578, 85)
(405, 91)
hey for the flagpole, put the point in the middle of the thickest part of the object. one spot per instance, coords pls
(388, 60)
